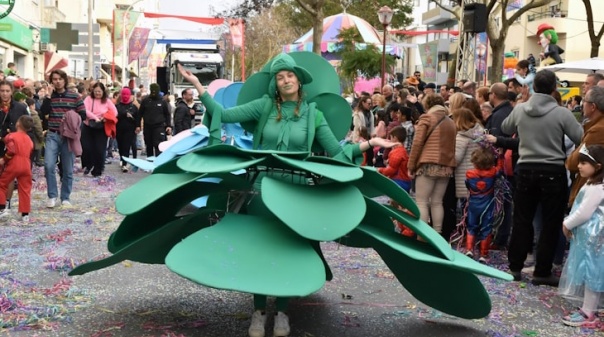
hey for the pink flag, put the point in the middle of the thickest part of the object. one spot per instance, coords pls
(236, 27)
(137, 43)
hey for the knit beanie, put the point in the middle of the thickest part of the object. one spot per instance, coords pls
(154, 89)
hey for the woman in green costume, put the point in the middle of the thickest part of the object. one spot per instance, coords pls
(286, 129)
(259, 231)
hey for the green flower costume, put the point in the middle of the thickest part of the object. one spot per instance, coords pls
(259, 231)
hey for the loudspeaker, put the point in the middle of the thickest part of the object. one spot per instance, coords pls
(162, 79)
(475, 18)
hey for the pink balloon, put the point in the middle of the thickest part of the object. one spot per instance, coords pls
(217, 84)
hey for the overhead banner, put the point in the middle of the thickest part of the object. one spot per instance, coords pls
(429, 57)
(143, 58)
(514, 5)
(137, 43)
(131, 17)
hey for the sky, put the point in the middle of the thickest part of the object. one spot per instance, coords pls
(181, 28)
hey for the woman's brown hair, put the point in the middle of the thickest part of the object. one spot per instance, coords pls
(464, 119)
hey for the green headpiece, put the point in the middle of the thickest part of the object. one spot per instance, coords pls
(286, 62)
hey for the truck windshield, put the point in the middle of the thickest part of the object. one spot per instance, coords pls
(206, 72)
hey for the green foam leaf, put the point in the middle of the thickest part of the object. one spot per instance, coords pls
(249, 254)
(374, 184)
(310, 210)
(337, 173)
(153, 247)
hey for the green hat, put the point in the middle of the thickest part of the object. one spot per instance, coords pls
(323, 90)
(285, 62)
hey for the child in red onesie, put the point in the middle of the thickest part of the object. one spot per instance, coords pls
(16, 164)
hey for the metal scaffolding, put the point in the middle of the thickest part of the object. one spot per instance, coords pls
(466, 50)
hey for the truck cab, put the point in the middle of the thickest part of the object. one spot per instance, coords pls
(203, 60)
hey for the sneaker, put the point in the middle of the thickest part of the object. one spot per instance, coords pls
(546, 281)
(470, 254)
(51, 203)
(5, 213)
(281, 325)
(25, 218)
(579, 318)
(125, 169)
(257, 326)
(528, 270)
(66, 203)
(483, 260)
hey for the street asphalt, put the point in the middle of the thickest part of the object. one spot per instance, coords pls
(129, 299)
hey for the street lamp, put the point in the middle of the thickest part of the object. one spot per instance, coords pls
(125, 42)
(385, 16)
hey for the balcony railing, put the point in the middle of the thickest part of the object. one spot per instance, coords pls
(547, 15)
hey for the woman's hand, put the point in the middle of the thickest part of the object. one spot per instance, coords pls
(187, 75)
(567, 233)
(491, 139)
(410, 174)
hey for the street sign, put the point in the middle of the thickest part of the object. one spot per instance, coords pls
(10, 4)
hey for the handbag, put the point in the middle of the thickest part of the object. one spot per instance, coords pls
(92, 123)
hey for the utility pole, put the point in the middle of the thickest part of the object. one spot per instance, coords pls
(90, 41)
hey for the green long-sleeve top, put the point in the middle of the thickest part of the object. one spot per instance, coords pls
(291, 133)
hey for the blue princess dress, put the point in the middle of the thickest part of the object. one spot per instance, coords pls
(585, 263)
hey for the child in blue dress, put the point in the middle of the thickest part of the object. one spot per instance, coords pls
(583, 274)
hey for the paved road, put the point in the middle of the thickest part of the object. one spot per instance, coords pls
(131, 299)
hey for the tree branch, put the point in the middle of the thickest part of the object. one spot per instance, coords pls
(456, 14)
(307, 7)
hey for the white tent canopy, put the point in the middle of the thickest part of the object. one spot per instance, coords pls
(588, 66)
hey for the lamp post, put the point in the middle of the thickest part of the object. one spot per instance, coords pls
(125, 42)
(385, 16)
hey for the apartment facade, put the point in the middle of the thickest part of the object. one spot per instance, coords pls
(567, 16)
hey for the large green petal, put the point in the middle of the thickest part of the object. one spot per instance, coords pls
(421, 271)
(377, 211)
(149, 189)
(337, 173)
(164, 204)
(153, 247)
(311, 211)
(373, 184)
(445, 288)
(212, 162)
(249, 254)
(422, 252)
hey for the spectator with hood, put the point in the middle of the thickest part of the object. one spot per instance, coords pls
(128, 126)
(155, 113)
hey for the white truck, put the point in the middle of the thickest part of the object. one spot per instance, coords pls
(203, 60)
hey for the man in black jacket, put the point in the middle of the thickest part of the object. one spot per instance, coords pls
(184, 114)
(155, 113)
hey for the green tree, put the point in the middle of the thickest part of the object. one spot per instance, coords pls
(593, 37)
(366, 62)
(306, 14)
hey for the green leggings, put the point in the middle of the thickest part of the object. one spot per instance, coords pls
(280, 302)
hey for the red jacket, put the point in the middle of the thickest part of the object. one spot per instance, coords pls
(397, 164)
(110, 123)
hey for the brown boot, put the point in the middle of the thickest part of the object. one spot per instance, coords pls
(470, 239)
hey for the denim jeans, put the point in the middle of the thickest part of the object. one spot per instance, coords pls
(533, 186)
(57, 147)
